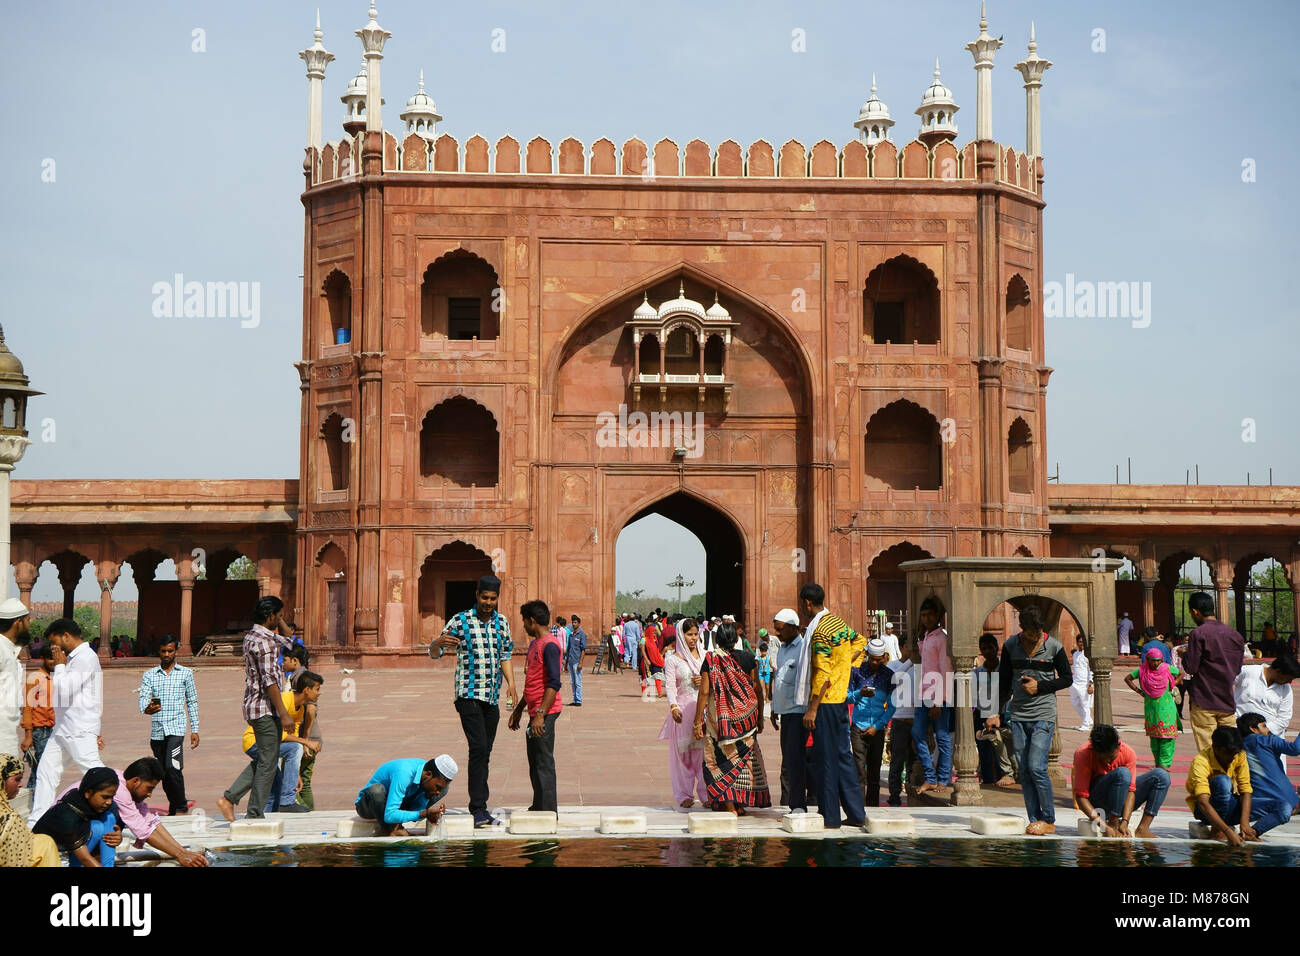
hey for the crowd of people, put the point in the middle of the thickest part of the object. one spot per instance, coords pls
(844, 706)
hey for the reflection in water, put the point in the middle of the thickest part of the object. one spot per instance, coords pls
(742, 851)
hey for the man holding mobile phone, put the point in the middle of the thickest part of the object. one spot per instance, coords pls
(168, 696)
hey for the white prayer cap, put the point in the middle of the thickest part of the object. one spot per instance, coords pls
(13, 609)
(446, 766)
(728, 617)
(889, 625)
(876, 647)
(786, 616)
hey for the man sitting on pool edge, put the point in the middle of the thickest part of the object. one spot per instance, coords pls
(403, 791)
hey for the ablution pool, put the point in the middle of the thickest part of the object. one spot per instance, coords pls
(766, 851)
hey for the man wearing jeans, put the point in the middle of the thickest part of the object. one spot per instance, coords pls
(542, 698)
(934, 709)
(481, 639)
(1029, 659)
(167, 695)
(264, 708)
(573, 659)
(1107, 787)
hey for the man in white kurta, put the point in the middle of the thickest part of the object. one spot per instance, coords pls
(1266, 689)
(78, 691)
(1081, 685)
(14, 625)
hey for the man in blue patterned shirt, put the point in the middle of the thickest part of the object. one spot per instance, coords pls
(167, 695)
(481, 639)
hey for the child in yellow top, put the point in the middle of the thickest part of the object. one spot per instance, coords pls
(1218, 787)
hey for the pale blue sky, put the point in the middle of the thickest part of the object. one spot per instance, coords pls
(168, 160)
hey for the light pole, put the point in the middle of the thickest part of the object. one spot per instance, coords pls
(14, 392)
(679, 582)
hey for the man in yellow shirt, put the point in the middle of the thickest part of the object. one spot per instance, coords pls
(1218, 786)
(284, 792)
(833, 647)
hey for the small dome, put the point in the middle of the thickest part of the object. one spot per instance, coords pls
(645, 310)
(357, 85)
(10, 367)
(937, 94)
(717, 312)
(873, 110)
(421, 99)
(681, 304)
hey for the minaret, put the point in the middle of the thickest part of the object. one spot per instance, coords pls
(354, 120)
(373, 37)
(938, 113)
(982, 48)
(316, 57)
(421, 113)
(1032, 69)
(873, 119)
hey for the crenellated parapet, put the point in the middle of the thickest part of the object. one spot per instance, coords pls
(666, 161)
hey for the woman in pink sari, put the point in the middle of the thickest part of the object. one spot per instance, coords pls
(682, 659)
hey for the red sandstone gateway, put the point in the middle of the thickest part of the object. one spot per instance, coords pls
(855, 330)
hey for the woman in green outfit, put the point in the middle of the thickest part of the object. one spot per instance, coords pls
(1155, 680)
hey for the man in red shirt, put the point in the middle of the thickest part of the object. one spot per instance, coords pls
(542, 698)
(1106, 780)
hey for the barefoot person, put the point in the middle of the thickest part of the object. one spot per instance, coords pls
(264, 707)
(1274, 799)
(1108, 789)
(404, 791)
(1219, 790)
(481, 639)
(682, 660)
(1025, 675)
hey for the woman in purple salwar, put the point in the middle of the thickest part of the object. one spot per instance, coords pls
(682, 659)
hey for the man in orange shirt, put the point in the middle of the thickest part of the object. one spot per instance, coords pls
(38, 712)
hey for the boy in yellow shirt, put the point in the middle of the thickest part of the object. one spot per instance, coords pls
(1218, 787)
(284, 791)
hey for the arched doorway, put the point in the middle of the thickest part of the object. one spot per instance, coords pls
(448, 584)
(724, 550)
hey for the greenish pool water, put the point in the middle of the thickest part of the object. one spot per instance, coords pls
(760, 852)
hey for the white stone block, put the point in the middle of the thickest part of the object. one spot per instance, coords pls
(622, 823)
(1199, 831)
(574, 819)
(714, 823)
(453, 826)
(533, 821)
(356, 827)
(257, 831)
(890, 824)
(803, 823)
(996, 824)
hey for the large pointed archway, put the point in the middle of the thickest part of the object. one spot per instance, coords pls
(724, 549)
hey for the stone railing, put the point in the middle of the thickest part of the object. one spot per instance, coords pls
(666, 161)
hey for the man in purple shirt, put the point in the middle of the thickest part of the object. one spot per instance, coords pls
(1213, 659)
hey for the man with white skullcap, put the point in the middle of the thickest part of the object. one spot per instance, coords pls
(14, 626)
(871, 686)
(404, 791)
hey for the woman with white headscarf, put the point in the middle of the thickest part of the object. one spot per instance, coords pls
(682, 659)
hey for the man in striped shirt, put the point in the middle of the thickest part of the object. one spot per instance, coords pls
(167, 695)
(481, 639)
(264, 707)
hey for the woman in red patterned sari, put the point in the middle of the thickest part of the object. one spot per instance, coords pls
(729, 718)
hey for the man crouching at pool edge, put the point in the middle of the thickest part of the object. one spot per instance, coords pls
(404, 791)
